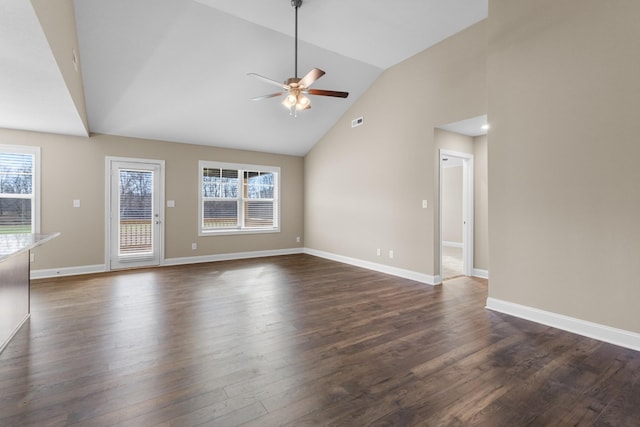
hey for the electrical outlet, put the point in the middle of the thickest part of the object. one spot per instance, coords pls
(194, 246)
(391, 254)
(378, 251)
(298, 239)
(425, 205)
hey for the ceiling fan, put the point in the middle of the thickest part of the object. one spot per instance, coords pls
(297, 88)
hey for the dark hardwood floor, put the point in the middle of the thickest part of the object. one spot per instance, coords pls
(298, 340)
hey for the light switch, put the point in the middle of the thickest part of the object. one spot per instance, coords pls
(76, 203)
(171, 203)
(424, 204)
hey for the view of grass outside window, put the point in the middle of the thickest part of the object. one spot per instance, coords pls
(17, 190)
(237, 197)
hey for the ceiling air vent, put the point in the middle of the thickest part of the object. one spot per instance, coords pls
(357, 122)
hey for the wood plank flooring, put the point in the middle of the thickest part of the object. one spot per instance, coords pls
(299, 340)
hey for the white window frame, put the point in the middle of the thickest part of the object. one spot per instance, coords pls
(35, 197)
(241, 168)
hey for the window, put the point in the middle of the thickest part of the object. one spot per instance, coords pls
(19, 192)
(238, 198)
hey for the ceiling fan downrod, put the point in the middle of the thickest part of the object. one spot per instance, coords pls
(296, 4)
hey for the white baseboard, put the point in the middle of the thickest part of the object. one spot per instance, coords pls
(394, 271)
(581, 327)
(101, 268)
(67, 271)
(452, 244)
(231, 256)
(483, 274)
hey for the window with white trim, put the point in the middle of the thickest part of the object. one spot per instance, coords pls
(19, 189)
(236, 198)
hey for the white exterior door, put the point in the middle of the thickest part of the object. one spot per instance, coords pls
(135, 226)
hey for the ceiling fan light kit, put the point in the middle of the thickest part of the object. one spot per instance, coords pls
(297, 88)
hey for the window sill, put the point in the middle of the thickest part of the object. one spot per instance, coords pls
(237, 231)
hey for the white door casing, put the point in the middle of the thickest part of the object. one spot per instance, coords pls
(467, 209)
(134, 210)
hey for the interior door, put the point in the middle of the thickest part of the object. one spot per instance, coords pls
(136, 223)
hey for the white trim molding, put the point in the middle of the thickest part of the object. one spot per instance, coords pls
(452, 244)
(111, 257)
(467, 207)
(231, 256)
(394, 271)
(581, 327)
(478, 272)
(101, 268)
(67, 271)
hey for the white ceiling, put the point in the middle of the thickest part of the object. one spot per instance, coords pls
(474, 126)
(176, 69)
(381, 33)
(33, 94)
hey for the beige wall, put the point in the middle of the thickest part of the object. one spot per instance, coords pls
(480, 203)
(364, 186)
(562, 94)
(564, 196)
(452, 204)
(58, 21)
(74, 168)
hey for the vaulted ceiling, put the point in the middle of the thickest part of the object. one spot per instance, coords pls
(176, 70)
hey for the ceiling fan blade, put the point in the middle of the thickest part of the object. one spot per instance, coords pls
(268, 80)
(323, 92)
(311, 77)
(271, 95)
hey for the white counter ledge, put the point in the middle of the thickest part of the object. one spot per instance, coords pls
(13, 244)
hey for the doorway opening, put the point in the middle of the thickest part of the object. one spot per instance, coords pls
(134, 225)
(464, 146)
(456, 214)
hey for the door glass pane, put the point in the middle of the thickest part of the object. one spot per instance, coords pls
(136, 212)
